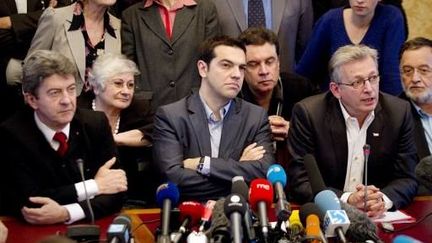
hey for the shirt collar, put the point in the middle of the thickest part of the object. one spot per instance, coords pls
(421, 113)
(48, 132)
(177, 5)
(209, 113)
(347, 116)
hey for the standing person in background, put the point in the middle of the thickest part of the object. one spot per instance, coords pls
(112, 83)
(18, 23)
(291, 20)
(365, 22)
(81, 31)
(162, 37)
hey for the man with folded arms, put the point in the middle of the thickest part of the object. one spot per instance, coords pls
(43, 144)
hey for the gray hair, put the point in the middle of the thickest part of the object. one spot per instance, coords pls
(42, 64)
(349, 53)
(107, 66)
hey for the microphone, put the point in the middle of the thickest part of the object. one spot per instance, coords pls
(190, 213)
(207, 214)
(218, 231)
(366, 152)
(295, 225)
(239, 186)
(84, 232)
(119, 230)
(423, 172)
(315, 179)
(361, 228)
(309, 216)
(167, 195)
(405, 239)
(336, 221)
(277, 176)
(235, 208)
(261, 198)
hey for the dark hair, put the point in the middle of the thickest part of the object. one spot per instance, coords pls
(259, 36)
(42, 64)
(415, 44)
(206, 50)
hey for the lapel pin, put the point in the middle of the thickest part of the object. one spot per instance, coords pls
(375, 134)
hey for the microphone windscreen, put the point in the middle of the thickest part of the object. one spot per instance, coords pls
(191, 210)
(315, 179)
(276, 173)
(361, 228)
(260, 191)
(169, 191)
(123, 219)
(239, 186)
(308, 209)
(219, 222)
(423, 172)
(234, 203)
(405, 239)
(327, 200)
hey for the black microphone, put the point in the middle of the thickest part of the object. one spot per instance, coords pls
(361, 228)
(235, 208)
(218, 231)
(315, 179)
(167, 195)
(239, 186)
(119, 230)
(423, 172)
(84, 232)
(366, 152)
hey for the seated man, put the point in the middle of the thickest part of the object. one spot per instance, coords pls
(274, 91)
(202, 141)
(335, 126)
(416, 72)
(43, 144)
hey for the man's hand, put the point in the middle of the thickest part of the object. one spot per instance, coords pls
(279, 127)
(109, 180)
(191, 163)
(252, 152)
(375, 205)
(5, 23)
(53, 3)
(3, 232)
(50, 212)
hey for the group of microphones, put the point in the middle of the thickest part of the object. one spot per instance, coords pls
(261, 212)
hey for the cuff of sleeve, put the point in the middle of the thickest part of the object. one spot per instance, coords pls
(345, 196)
(92, 189)
(205, 169)
(75, 212)
(387, 202)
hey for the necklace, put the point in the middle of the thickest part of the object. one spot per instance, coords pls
(118, 119)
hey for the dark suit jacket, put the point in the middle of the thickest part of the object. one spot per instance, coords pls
(181, 131)
(292, 21)
(318, 127)
(32, 168)
(168, 66)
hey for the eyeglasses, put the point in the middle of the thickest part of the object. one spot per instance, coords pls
(424, 71)
(360, 83)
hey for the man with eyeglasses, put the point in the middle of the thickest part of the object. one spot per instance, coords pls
(416, 72)
(335, 126)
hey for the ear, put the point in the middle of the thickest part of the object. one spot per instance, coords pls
(202, 68)
(335, 89)
(30, 99)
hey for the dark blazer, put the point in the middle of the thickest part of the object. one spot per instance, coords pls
(167, 66)
(292, 21)
(181, 131)
(136, 161)
(32, 168)
(318, 127)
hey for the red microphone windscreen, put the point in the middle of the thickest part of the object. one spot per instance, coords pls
(261, 190)
(191, 210)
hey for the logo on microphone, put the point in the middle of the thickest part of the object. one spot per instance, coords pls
(263, 186)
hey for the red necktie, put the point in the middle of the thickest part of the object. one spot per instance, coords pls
(61, 138)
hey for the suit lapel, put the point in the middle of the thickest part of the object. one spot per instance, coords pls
(278, 7)
(76, 40)
(336, 122)
(111, 43)
(182, 22)
(237, 9)
(230, 125)
(199, 124)
(153, 21)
